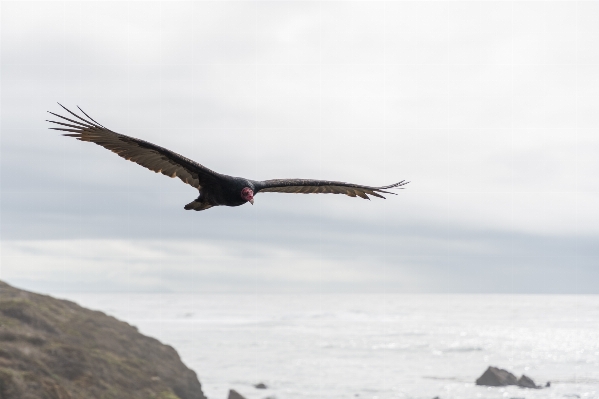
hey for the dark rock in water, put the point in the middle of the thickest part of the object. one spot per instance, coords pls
(233, 394)
(52, 348)
(260, 385)
(526, 382)
(548, 385)
(496, 377)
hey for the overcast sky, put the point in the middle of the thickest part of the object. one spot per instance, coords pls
(490, 109)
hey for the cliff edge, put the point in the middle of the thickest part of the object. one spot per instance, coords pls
(55, 349)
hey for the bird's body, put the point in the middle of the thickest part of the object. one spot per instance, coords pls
(215, 189)
(226, 193)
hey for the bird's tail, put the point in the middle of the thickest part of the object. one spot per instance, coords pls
(197, 205)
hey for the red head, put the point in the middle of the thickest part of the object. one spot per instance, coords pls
(248, 195)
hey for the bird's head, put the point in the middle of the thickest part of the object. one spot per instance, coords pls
(248, 195)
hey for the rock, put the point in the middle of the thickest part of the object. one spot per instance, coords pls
(548, 384)
(233, 394)
(496, 377)
(260, 385)
(526, 382)
(52, 348)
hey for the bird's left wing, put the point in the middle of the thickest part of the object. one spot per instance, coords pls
(303, 186)
(146, 154)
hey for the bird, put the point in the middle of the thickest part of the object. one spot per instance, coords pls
(215, 189)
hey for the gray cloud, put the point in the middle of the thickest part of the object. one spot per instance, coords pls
(498, 138)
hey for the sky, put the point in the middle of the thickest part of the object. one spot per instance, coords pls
(489, 109)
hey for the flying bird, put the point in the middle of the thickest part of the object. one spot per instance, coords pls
(215, 188)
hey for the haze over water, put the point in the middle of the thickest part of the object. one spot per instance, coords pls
(372, 346)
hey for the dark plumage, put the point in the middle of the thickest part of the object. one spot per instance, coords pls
(215, 188)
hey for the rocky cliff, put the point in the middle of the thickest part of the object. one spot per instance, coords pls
(55, 349)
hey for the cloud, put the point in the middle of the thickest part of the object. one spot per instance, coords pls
(497, 137)
(168, 265)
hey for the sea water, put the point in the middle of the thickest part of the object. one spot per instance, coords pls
(333, 346)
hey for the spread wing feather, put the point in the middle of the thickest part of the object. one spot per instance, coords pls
(146, 154)
(303, 186)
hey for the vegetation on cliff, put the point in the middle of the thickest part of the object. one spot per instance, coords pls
(55, 349)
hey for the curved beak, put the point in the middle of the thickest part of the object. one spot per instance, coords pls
(252, 201)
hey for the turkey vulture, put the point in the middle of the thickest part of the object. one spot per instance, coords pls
(215, 188)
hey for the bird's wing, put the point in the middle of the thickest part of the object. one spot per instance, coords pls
(148, 155)
(303, 186)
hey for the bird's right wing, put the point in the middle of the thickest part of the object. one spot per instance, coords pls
(146, 154)
(305, 186)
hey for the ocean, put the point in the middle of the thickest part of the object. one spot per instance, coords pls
(332, 346)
